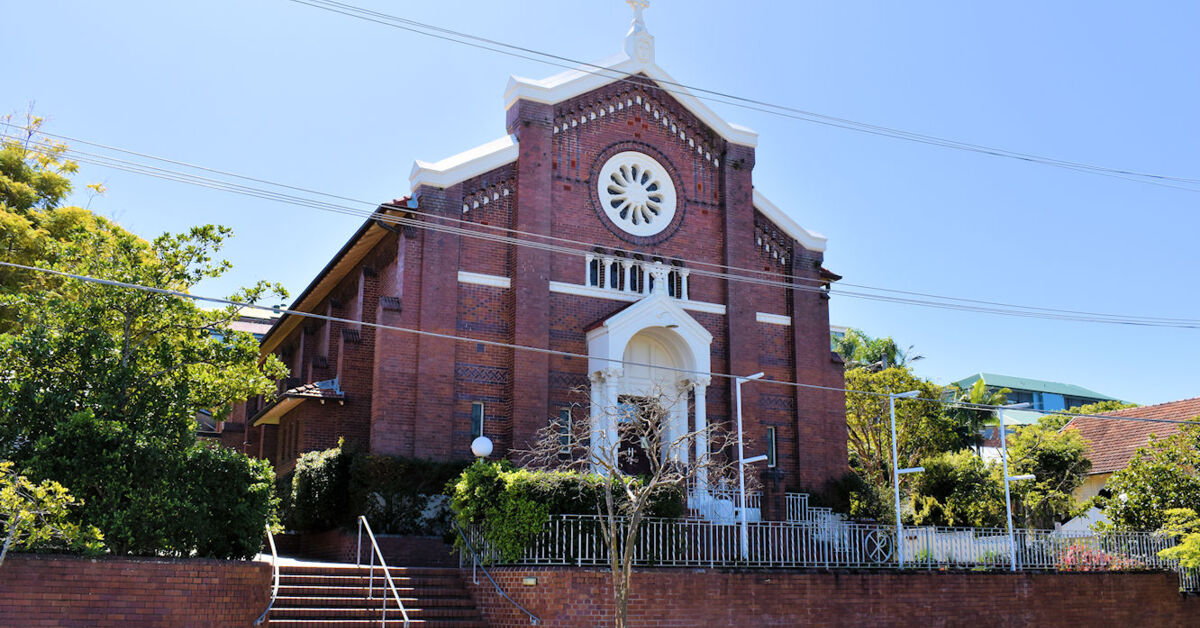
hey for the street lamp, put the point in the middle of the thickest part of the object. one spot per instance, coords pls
(897, 471)
(742, 462)
(1012, 543)
(481, 447)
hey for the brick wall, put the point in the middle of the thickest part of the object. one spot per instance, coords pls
(695, 597)
(340, 546)
(70, 591)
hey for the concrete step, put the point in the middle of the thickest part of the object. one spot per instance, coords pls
(371, 602)
(423, 592)
(391, 623)
(351, 612)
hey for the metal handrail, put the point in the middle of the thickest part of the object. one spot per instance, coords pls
(476, 562)
(387, 574)
(275, 569)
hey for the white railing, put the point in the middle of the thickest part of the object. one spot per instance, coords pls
(829, 542)
(796, 506)
(476, 563)
(387, 573)
(274, 578)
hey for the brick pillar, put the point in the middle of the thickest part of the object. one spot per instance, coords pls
(740, 251)
(820, 414)
(531, 123)
(773, 508)
(394, 385)
(433, 431)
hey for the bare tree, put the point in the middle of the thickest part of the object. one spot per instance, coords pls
(642, 446)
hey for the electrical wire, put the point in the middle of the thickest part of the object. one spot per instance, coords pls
(794, 113)
(968, 305)
(518, 347)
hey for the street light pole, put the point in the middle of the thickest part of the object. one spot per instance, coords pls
(737, 393)
(896, 471)
(1012, 543)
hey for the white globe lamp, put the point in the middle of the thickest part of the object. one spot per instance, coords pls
(481, 447)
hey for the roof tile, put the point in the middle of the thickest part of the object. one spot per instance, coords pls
(1112, 443)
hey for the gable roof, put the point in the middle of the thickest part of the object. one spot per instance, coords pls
(1112, 443)
(1028, 383)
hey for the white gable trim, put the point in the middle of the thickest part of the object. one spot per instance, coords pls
(464, 165)
(810, 240)
(569, 84)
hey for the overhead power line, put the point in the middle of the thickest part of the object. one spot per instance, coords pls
(795, 113)
(518, 347)
(532, 240)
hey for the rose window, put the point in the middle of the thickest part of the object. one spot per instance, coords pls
(636, 193)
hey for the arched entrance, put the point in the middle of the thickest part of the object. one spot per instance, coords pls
(650, 350)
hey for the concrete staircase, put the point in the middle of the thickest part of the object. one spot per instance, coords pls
(340, 595)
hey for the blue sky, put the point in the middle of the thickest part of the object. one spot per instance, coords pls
(289, 93)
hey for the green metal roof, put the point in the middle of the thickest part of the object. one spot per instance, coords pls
(1032, 385)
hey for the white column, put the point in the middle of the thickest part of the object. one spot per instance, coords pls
(604, 420)
(626, 267)
(607, 269)
(676, 447)
(660, 277)
(587, 270)
(700, 390)
(683, 280)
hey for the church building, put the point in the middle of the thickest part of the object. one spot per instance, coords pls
(617, 219)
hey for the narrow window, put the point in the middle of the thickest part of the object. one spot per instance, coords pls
(614, 276)
(564, 431)
(594, 273)
(771, 447)
(476, 419)
(672, 277)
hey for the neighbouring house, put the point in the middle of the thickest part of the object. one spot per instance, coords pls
(644, 192)
(1112, 443)
(1039, 394)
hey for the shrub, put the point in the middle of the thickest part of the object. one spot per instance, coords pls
(230, 499)
(510, 506)
(331, 488)
(38, 516)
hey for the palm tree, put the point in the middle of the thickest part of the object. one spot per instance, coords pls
(858, 350)
(970, 418)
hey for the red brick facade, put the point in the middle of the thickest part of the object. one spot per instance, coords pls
(412, 395)
(699, 597)
(45, 590)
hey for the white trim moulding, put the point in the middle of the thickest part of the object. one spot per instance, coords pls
(773, 319)
(614, 295)
(480, 279)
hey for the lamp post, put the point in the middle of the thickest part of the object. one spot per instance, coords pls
(481, 447)
(1012, 543)
(897, 471)
(737, 394)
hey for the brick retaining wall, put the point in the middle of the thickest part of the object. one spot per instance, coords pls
(707, 597)
(49, 590)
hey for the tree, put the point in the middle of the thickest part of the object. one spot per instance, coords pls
(1163, 475)
(99, 385)
(859, 350)
(968, 417)
(37, 515)
(1183, 523)
(958, 489)
(641, 451)
(34, 217)
(922, 429)
(1058, 461)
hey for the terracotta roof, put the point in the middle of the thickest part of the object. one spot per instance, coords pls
(328, 389)
(1112, 443)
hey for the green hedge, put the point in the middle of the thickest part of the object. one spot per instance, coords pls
(331, 488)
(509, 505)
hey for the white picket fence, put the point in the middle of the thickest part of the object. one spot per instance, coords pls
(820, 542)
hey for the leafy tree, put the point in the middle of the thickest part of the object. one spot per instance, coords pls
(1183, 523)
(922, 428)
(969, 420)
(99, 385)
(35, 182)
(1059, 463)
(958, 489)
(1162, 476)
(859, 350)
(39, 515)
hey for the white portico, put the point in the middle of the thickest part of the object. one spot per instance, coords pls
(651, 349)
